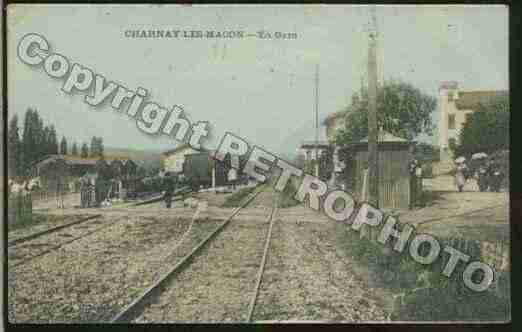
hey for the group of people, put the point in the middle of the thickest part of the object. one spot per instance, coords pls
(488, 174)
(24, 187)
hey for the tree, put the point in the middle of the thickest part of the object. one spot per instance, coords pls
(53, 141)
(29, 137)
(96, 146)
(74, 150)
(100, 146)
(486, 130)
(41, 140)
(425, 152)
(63, 146)
(45, 141)
(85, 150)
(37, 140)
(33, 139)
(402, 110)
(14, 148)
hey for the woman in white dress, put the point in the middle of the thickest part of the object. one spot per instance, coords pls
(460, 178)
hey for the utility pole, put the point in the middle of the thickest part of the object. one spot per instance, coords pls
(317, 120)
(373, 158)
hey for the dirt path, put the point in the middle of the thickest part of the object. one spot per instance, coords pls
(470, 214)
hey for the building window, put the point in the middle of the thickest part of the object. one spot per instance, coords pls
(451, 121)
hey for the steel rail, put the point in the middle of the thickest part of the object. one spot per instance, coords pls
(261, 270)
(179, 194)
(136, 306)
(54, 248)
(50, 230)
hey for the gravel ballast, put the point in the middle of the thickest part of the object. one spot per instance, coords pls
(219, 283)
(91, 279)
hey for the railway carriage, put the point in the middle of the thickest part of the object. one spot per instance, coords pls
(197, 170)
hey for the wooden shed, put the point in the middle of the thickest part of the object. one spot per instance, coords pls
(54, 174)
(394, 176)
(103, 169)
(117, 168)
(130, 169)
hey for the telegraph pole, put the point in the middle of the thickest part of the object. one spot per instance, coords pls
(373, 159)
(317, 120)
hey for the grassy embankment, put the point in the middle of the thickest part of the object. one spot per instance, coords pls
(422, 292)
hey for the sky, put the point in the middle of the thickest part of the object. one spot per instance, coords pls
(261, 89)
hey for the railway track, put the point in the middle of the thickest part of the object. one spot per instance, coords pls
(108, 269)
(35, 246)
(50, 230)
(253, 302)
(22, 252)
(157, 289)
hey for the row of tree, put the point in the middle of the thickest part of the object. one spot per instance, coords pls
(39, 140)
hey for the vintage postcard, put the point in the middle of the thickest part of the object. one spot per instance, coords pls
(257, 164)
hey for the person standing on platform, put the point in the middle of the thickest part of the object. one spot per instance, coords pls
(232, 177)
(415, 172)
(169, 185)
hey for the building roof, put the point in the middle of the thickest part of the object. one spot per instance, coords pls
(177, 149)
(385, 136)
(310, 144)
(469, 100)
(78, 161)
(385, 139)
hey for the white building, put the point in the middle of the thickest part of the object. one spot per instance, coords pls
(455, 106)
(172, 160)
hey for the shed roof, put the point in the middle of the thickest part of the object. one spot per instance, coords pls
(385, 136)
(177, 149)
(78, 161)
